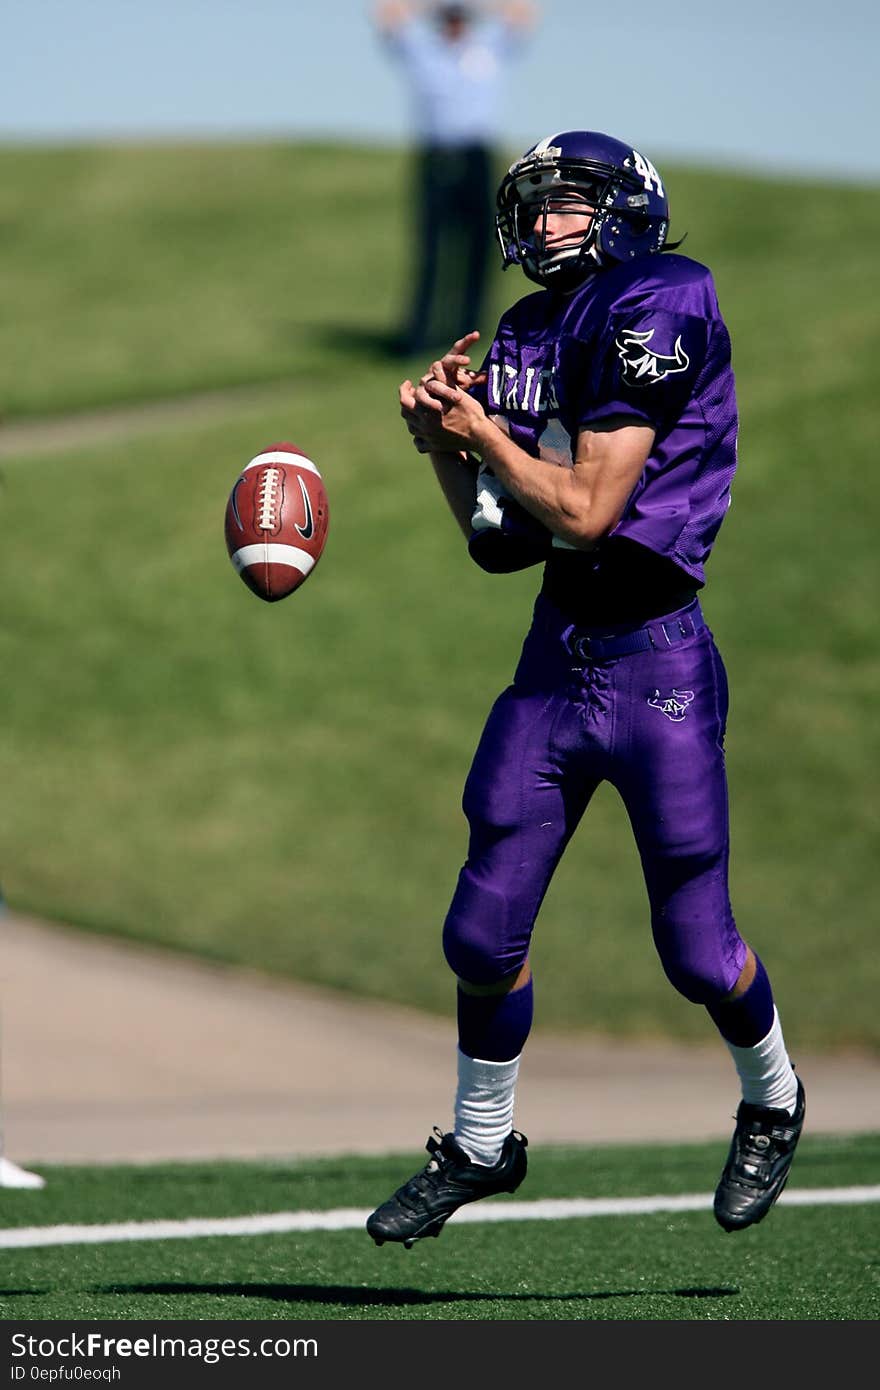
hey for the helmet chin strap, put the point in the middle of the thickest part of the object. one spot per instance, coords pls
(572, 277)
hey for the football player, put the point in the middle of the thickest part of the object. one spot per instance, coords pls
(598, 439)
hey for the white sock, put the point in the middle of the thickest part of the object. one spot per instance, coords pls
(765, 1071)
(484, 1106)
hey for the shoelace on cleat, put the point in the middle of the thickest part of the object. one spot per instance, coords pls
(422, 1182)
(759, 1145)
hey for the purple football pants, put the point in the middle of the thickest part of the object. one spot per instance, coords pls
(652, 724)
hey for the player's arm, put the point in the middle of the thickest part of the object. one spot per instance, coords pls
(519, 14)
(455, 469)
(581, 504)
(391, 15)
(457, 476)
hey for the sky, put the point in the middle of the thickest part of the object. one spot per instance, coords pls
(772, 85)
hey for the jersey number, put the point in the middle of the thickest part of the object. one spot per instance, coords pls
(648, 173)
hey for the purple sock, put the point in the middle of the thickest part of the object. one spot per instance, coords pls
(494, 1027)
(748, 1019)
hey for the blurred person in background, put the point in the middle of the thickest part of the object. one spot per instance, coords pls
(453, 57)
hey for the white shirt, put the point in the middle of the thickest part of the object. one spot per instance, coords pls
(455, 83)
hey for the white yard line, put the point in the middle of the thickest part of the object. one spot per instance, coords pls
(352, 1218)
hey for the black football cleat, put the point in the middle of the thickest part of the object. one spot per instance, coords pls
(422, 1206)
(758, 1163)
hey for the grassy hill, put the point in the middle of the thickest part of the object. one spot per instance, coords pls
(280, 785)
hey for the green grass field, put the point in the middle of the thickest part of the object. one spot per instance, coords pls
(280, 785)
(805, 1262)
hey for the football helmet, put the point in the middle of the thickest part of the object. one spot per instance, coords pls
(579, 168)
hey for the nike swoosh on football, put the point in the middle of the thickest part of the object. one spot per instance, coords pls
(308, 530)
(235, 503)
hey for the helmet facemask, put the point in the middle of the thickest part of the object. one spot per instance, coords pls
(558, 260)
(630, 211)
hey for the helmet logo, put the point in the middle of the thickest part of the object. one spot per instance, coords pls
(647, 173)
(642, 366)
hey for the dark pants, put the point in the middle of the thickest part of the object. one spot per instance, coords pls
(453, 237)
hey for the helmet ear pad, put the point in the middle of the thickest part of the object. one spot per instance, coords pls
(622, 236)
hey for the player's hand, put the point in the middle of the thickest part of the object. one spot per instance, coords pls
(453, 368)
(462, 416)
(422, 412)
(455, 363)
(424, 422)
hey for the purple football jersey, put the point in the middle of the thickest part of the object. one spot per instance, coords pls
(643, 340)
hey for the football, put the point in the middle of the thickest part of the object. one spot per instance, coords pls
(276, 521)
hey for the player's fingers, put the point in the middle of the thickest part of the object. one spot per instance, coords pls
(439, 390)
(446, 371)
(472, 380)
(420, 419)
(424, 399)
(454, 368)
(449, 368)
(463, 343)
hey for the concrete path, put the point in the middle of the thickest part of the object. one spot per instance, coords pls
(114, 1052)
(85, 428)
